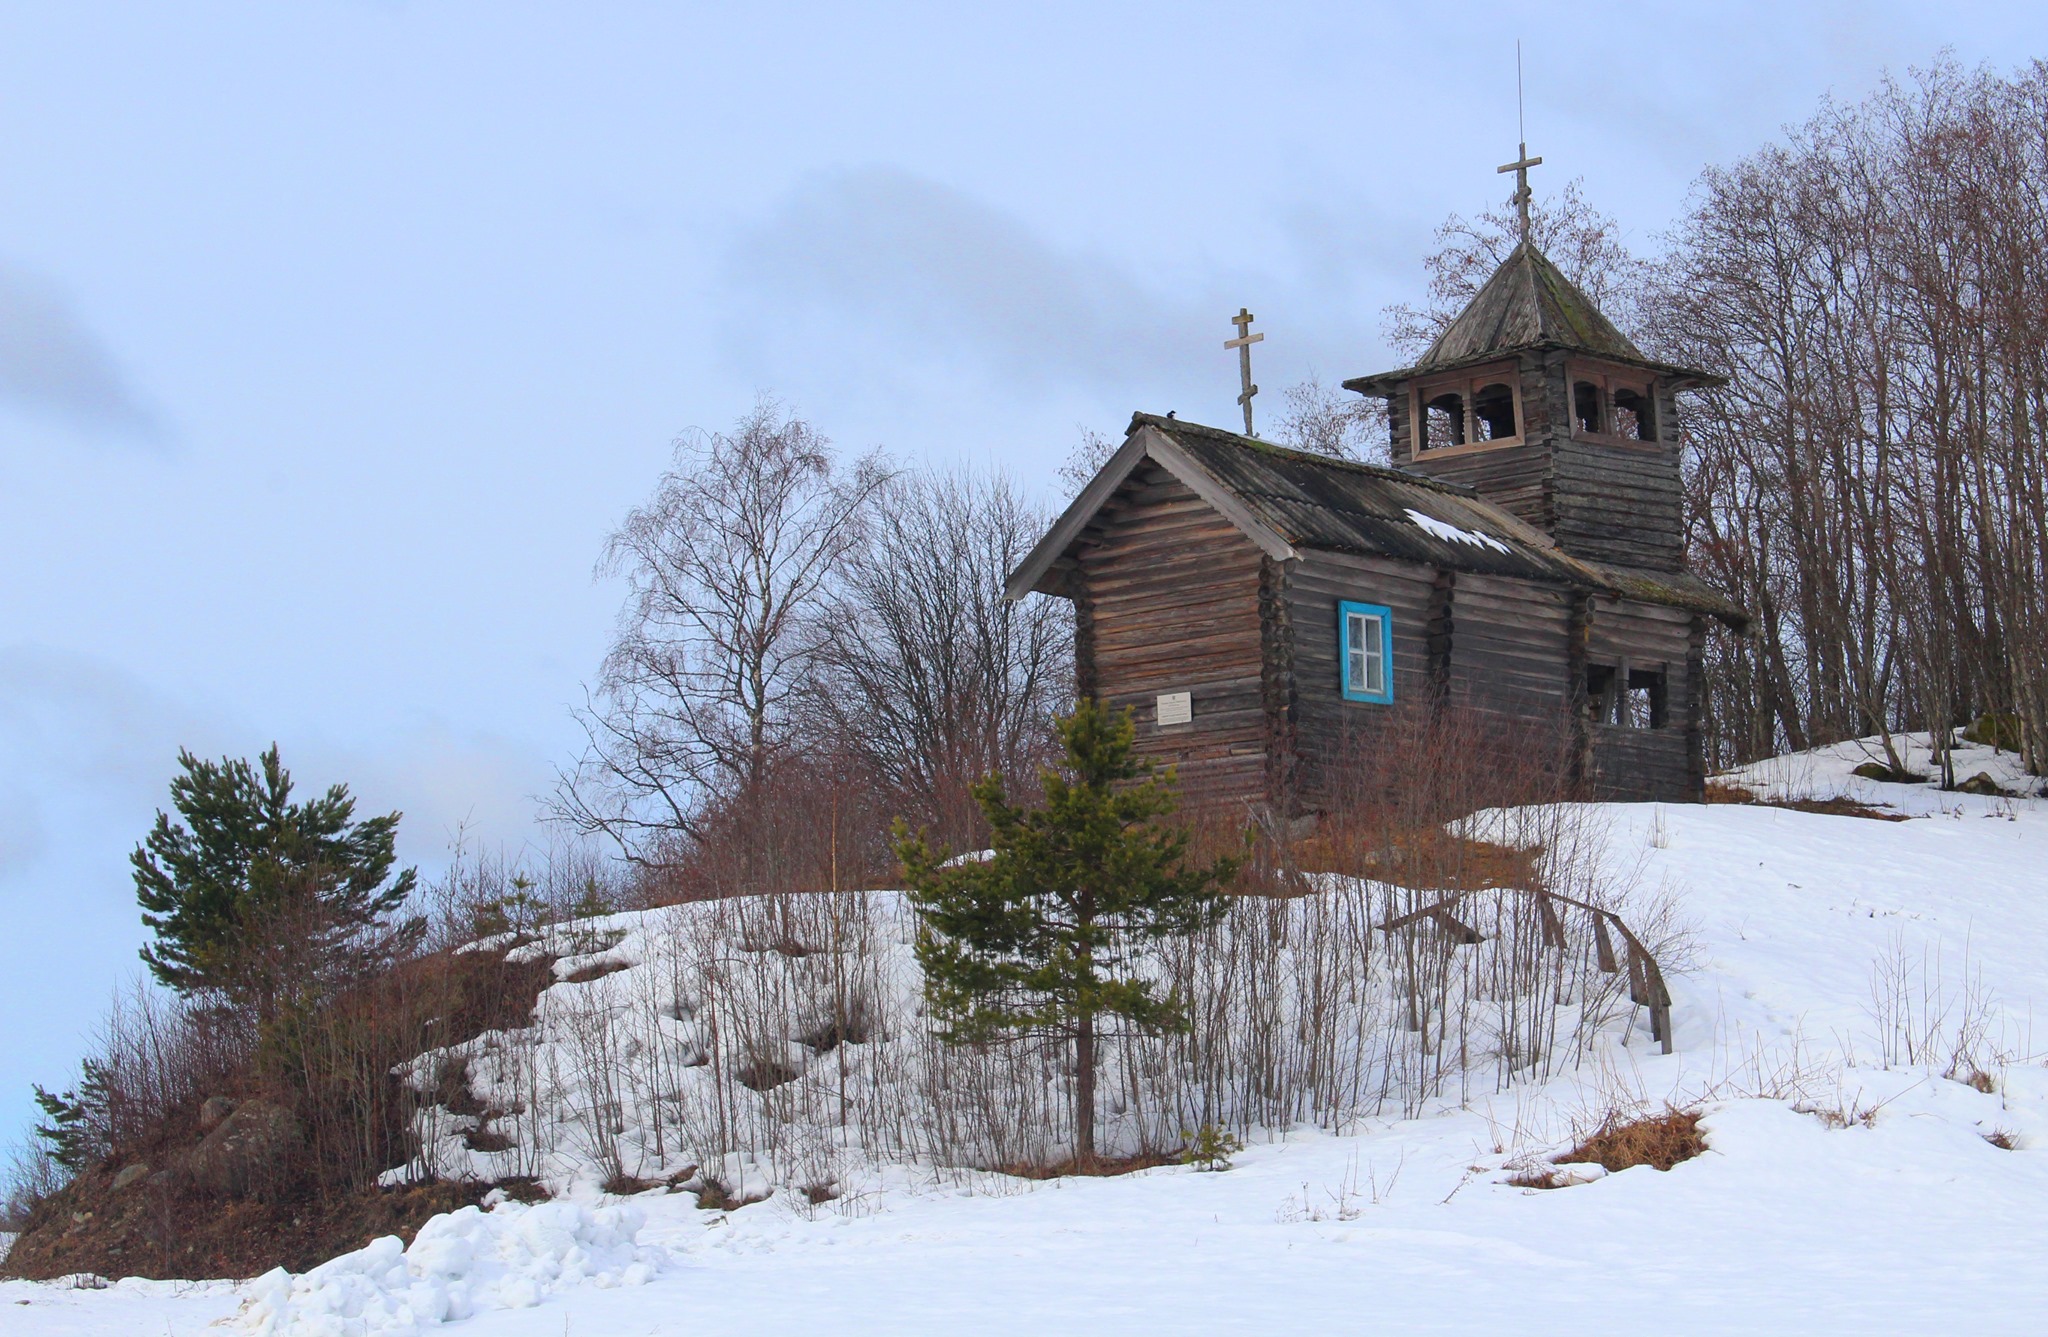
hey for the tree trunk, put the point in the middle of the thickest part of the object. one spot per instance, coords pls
(1084, 1092)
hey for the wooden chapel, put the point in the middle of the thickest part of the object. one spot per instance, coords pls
(1523, 559)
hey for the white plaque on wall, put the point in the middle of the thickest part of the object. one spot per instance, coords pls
(1176, 708)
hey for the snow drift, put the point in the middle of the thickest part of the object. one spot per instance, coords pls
(510, 1256)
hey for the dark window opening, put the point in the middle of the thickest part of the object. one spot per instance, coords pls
(1600, 692)
(1638, 704)
(1494, 407)
(1586, 406)
(1642, 705)
(1444, 422)
(1633, 416)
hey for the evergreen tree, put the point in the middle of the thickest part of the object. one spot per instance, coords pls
(253, 896)
(79, 1128)
(1043, 937)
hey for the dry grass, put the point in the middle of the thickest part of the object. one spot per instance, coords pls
(1621, 1143)
(625, 1185)
(596, 971)
(1426, 857)
(1659, 1140)
(1102, 1167)
(714, 1196)
(1722, 792)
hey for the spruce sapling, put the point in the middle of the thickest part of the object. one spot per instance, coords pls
(1042, 937)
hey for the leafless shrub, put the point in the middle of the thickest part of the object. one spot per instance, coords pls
(768, 1021)
(30, 1177)
(932, 678)
(1924, 1016)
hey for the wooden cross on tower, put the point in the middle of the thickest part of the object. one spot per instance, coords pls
(1243, 344)
(1520, 167)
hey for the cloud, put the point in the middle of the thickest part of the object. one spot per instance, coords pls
(100, 746)
(76, 723)
(946, 275)
(51, 363)
(22, 835)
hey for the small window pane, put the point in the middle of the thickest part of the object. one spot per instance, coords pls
(1364, 630)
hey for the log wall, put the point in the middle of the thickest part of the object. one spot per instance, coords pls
(1647, 764)
(1171, 591)
(1618, 503)
(1316, 583)
(1510, 645)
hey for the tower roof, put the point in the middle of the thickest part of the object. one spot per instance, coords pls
(1527, 304)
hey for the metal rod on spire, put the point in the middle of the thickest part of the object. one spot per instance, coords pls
(1520, 167)
(1243, 344)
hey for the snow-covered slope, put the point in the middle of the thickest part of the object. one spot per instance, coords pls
(1856, 1024)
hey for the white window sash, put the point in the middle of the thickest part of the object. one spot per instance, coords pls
(1375, 657)
(1365, 669)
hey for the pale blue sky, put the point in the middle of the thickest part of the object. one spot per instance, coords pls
(333, 337)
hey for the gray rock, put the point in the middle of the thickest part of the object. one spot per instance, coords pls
(213, 1111)
(1877, 770)
(1981, 784)
(250, 1149)
(129, 1175)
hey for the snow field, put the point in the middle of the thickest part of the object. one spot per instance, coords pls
(1855, 1022)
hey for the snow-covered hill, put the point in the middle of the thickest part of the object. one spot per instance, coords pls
(1857, 1026)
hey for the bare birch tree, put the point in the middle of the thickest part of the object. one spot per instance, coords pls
(726, 568)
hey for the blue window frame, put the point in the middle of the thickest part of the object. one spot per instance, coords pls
(1365, 652)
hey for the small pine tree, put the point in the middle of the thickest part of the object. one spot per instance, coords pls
(78, 1133)
(1041, 937)
(252, 896)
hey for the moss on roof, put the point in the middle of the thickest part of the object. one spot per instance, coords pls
(1528, 303)
(1317, 502)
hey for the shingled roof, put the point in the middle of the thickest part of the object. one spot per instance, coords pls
(1527, 304)
(1287, 500)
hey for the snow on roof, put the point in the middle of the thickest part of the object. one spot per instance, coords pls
(1450, 533)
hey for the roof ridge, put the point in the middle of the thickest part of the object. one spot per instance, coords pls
(1253, 443)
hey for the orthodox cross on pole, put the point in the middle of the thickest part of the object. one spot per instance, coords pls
(1243, 344)
(1520, 167)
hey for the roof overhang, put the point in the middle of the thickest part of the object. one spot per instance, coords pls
(1681, 378)
(1037, 573)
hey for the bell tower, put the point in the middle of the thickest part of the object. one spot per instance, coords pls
(1535, 400)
